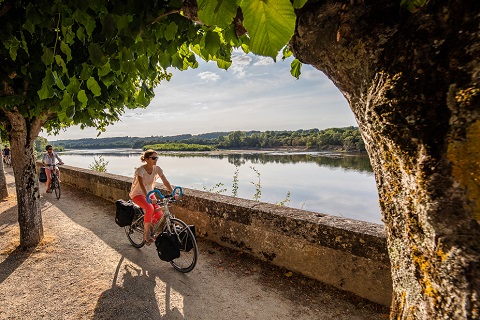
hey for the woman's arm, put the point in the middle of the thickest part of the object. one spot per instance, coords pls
(166, 183)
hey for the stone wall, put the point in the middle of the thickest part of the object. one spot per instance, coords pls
(348, 254)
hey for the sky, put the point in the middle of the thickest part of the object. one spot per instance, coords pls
(255, 93)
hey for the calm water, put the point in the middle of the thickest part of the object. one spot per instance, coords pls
(335, 184)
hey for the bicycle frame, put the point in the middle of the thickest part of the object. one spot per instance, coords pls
(167, 215)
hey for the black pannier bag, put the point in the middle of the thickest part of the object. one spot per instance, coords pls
(43, 175)
(186, 242)
(168, 247)
(125, 212)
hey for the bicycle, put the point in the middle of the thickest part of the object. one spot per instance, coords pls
(7, 160)
(171, 226)
(54, 181)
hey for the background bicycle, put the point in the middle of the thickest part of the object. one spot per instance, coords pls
(174, 239)
(55, 181)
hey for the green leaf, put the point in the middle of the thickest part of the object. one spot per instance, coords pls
(217, 12)
(92, 84)
(82, 97)
(122, 22)
(86, 72)
(61, 63)
(81, 34)
(47, 57)
(73, 86)
(171, 31)
(12, 45)
(96, 55)
(296, 68)
(141, 99)
(270, 25)
(224, 64)
(212, 42)
(142, 64)
(104, 70)
(66, 50)
(46, 91)
(287, 53)
(29, 26)
(297, 4)
(108, 25)
(67, 101)
(58, 81)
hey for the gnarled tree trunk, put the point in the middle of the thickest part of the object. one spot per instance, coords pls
(412, 81)
(22, 138)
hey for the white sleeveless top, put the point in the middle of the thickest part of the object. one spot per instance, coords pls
(148, 180)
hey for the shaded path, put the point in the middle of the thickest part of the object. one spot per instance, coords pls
(86, 269)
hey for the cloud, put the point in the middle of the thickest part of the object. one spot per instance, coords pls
(254, 94)
(263, 61)
(209, 76)
(239, 63)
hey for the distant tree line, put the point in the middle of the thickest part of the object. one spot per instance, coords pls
(347, 139)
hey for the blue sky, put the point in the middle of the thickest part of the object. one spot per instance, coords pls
(256, 93)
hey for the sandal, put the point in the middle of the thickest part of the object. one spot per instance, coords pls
(148, 241)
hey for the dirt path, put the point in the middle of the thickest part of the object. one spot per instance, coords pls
(85, 268)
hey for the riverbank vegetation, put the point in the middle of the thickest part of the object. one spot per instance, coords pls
(345, 139)
(179, 147)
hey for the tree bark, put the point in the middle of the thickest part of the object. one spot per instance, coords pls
(412, 81)
(22, 135)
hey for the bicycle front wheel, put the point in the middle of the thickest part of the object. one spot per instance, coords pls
(188, 246)
(57, 188)
(135, 231)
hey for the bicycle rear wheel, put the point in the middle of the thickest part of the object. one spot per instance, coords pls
(135, 230)
(188, 246)
(56, 184)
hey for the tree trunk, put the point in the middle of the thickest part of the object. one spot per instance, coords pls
(412, 81)
(22, 138)
(3, 180)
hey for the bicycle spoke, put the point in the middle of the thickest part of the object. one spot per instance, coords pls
(188, 246)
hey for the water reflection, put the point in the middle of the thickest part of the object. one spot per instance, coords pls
(332, 183)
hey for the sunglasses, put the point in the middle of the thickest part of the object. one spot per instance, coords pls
(153, 158)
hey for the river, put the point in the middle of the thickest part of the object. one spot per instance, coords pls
(338, 184)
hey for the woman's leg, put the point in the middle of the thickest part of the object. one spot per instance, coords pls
(147, 218)
(49, 178)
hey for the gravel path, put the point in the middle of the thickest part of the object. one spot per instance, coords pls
(85, 268)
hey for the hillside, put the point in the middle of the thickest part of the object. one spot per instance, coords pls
(348, 138)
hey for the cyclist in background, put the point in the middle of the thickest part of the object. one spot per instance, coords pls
(49, 160)
(6, 154)
(144, 182)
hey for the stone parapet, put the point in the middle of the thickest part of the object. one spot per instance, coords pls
(348, 254)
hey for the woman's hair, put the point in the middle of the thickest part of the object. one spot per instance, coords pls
(147, 154)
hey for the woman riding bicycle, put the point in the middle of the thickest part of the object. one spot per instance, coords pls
(144, 182)
(48, 161)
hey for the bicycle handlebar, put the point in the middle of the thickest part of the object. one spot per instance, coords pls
(162, 196)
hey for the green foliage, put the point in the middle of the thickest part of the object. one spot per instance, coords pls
(413, 5)
(178, 147)
(218, 188)
(285, 201)
(40, 144)
(99, 164)
(270, 24)
(258, 185)
(235, 182)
